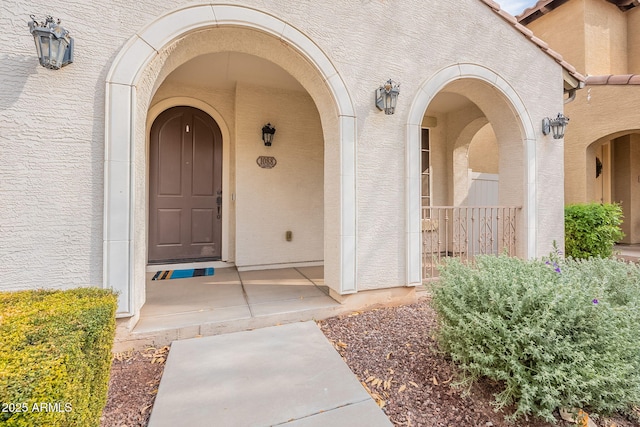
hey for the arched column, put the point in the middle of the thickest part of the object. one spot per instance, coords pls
(125, 244)
(427, 91)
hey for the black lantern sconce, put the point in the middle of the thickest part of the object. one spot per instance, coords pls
(557, 126)
(387, 96)
(598, 167)
(53, 44)
(267, 134)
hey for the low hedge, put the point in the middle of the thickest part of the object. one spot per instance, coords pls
(55, 356)
(591, 229)
(555, 333)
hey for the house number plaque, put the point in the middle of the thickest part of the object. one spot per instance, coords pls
(266, 162)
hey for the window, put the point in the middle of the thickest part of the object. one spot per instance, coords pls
(425, 168)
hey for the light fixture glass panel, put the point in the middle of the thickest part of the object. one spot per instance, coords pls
(38, 46)
(45, 42)
(59, 47)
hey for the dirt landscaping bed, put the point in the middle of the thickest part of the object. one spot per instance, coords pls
(134, 381)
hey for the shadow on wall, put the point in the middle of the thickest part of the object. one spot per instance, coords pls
(21, 67)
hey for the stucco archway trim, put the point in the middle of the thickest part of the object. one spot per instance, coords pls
(427, 91)
(121, 244)
(141, 48)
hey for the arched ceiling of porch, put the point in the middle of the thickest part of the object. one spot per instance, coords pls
(481, 98)
(447, 102)
(227, 55)
(224, 70)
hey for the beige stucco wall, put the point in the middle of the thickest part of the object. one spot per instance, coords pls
(633, 43)
(483, 152)
(462, 125)
(53, 127)
(592, 124)
(590, 34)
(288, 197)
(565, 32)
(605, 39)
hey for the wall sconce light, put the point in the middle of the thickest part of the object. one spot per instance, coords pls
(267, 134)
(557, 126)
(53, 44)
(387, 96)
(598, 167)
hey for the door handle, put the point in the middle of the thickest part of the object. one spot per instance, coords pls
(219, 202)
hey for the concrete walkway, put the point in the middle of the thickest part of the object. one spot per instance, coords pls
(629, 253)
(282, 375)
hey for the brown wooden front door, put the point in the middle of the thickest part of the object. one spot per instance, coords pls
(185, 187)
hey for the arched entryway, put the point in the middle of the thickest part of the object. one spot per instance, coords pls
(612, 176)
(455, 105)
(134, 87)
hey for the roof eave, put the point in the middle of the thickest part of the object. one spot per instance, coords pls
(574, 80)
(571, 81)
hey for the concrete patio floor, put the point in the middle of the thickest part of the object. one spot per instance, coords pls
(231, 301)
(627, 252)
(257, 359)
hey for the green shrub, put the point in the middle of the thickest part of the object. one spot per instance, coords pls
(592, 229)
(55, 356)
(555, 334)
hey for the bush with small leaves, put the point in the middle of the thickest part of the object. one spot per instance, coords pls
(55, 356)
(592, 229)
(555, 333)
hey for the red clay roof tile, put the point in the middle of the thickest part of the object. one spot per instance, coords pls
(613, 79)
(620, 79)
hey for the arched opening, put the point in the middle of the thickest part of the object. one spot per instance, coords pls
(468, 110)
(612, 175)
(262, 203)
(483, 153)
(484, 168)
(280, 75)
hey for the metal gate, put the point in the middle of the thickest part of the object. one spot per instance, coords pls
(466, 231)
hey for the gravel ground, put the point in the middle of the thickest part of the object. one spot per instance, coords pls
(393, 353)
(134, 381)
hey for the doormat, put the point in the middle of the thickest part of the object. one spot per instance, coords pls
(183, 274)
